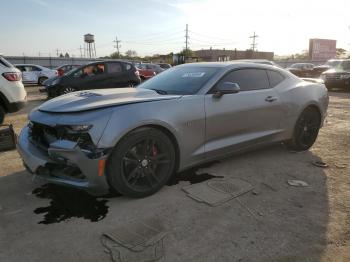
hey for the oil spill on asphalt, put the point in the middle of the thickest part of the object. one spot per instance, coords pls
(191, 176)
(69, 203)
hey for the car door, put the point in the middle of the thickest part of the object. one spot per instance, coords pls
(115, 75)
(31, 73)
(235, 121)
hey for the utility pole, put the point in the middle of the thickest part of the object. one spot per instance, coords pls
(57, 52)
(81, 52)
(117, 45)
(186, 43)
(254, 44)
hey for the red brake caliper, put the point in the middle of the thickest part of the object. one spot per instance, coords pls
(154, 150)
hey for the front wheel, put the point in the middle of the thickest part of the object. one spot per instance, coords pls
(67, 90)
(305, 130)
(42, 80)
(141, 163)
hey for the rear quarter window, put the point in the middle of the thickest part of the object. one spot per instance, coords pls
(114, 68)
(275, 77)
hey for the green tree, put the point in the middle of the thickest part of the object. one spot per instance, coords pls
(131, 54)
(340, 52)
(187, 53)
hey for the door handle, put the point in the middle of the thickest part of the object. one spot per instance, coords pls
(270, 98)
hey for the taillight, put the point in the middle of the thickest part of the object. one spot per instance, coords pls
(137, 73)
(12, 76)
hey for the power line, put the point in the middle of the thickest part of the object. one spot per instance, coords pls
(210, 36)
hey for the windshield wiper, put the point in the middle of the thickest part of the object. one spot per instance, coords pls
(161, 92)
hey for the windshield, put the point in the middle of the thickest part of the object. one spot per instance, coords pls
(345, 65)
(333, 63)
(180, 80)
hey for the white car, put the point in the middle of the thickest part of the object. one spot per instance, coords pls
(35, 74)
(12, 93)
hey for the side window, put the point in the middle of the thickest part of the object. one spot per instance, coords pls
(20, 68)
(275, 77)
(93, 70)
(248, 79)
(34, 68)
(114, 68)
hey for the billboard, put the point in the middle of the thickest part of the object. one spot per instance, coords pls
(322, 49)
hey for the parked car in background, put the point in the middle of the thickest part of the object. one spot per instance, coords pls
(145, 71)
(97, 75)
(156, 68)
(35, 74)
(164, 66)
(302, 69)
(65, 68)
(338, 76)
(134, 139)
(12, 93)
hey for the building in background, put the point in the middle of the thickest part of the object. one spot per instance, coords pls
(322, 49)
(212, 55)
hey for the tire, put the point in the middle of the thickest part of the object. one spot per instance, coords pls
(141, 163)
(2, 115)
(305, 130)
(67, 90)
(41, 80)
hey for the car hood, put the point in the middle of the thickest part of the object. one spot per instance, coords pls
(96, 99)
(50, 80)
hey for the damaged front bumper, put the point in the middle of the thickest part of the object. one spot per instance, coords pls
(64, 163)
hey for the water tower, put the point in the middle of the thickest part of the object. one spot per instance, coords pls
(89, 46)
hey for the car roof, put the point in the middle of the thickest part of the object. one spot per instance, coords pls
(231, 64)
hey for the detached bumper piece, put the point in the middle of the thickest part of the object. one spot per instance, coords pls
(7, 138)
(62, 161)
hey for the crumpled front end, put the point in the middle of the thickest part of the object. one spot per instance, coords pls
(66, 152)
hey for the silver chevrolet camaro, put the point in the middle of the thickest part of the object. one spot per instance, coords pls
(133, 139)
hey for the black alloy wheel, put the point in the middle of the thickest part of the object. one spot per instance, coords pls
(306, 130)
(141, 163)
(41, 80)
(67, 90)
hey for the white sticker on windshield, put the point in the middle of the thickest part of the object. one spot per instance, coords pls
(194, 74)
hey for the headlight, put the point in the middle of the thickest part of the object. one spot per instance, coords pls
(80, 128)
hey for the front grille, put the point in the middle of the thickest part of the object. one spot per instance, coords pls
(333, 77)
(43, 135)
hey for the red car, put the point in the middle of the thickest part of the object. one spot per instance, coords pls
(65, 68)
(145, 71)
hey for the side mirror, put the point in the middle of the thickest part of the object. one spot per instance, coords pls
(226, 88)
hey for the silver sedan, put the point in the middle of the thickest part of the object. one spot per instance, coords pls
(134, 139)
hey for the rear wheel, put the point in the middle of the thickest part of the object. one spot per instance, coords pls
(2, 115)
(141, 163)
(305, 130)
(41, 80)
(66, 90)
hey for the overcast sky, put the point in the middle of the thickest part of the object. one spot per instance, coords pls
(158, 26)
